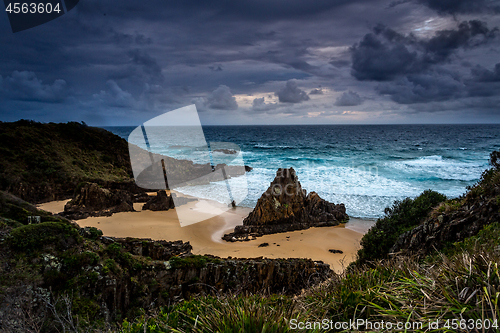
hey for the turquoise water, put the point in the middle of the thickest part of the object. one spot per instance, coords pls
(364, 167)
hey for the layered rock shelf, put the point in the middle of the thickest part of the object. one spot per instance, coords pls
(286, 206)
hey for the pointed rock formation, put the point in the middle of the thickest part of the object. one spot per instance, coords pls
(285, 206)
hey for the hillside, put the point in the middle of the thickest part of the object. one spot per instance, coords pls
(56, 276)
(43, 162)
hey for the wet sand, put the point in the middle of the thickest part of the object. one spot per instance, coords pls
(205, 236)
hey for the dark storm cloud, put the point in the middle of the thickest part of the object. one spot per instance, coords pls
(148, 64)
(484, 82)
(131, 58)
(115, 96)
(436, 86)
(385, 54)
(482, 74)
(349, 98)
(25, 86)
(291, 93)
(420, 88)
(462, 6)
(412, 70)
(216, 68)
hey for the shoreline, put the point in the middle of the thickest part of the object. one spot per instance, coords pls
(205, 236)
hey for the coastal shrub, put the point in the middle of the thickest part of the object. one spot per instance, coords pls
(36, 236)
(462, 286)
(115, 250)
(402, 216)
(79, 260)
(488, 239)
(225, 314)
(91, 232)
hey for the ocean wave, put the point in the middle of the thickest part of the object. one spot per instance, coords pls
(439, 167)
(259, 146)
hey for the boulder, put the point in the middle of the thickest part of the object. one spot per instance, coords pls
(162, 201)
(286, 206)
(93, 200)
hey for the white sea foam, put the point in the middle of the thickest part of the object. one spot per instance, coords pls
(438, 167)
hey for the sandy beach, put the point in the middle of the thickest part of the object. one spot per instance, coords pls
(205, 236)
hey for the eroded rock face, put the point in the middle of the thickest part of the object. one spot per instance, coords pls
(165, 281)
(465, 221)
(285, 206)
(93, 200)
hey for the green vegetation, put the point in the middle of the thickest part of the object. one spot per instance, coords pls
(401, 217)
(195, 261)
(222, 314)
(43, 161)
(36, 236)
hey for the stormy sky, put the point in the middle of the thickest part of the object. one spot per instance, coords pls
(257, 62)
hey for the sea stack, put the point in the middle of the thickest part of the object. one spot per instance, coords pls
(286, 206)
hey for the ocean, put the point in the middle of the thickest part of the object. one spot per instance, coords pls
(366, 167)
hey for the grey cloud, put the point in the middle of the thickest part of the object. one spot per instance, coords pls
(380, 60)
(25, 86)
(317, 91)
(349, 98)
(462, 6)
(259, 104)
(221, 99)
(127, 39)
(148, 64)
(216, 68)
(482, 74)
(483, 82)
(291, 93)
(420, 88)
(469, 34)
(115, 96)
(386, 54)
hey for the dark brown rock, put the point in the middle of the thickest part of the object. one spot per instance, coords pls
(286, 207)
(93, 200)
(456, 225)
(162, 201)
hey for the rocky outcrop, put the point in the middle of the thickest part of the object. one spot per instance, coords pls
(456, 220)
(162, 201)
(285, 206)
(161, 282)
(455, 226)
(93, 200)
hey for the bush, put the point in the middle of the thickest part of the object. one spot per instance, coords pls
(195, 261)
(34, 236)
(401, 217)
